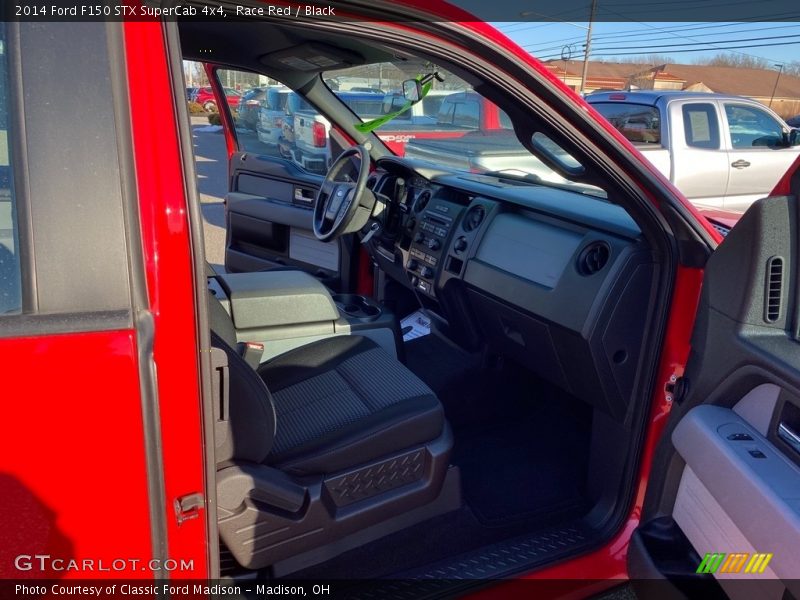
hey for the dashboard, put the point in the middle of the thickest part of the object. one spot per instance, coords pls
(556, 279)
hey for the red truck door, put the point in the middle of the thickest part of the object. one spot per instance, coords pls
(721, 506)
(89, 470)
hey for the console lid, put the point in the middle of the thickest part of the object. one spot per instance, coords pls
(271, 298)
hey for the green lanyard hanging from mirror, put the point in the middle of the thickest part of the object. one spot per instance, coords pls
(426, 83)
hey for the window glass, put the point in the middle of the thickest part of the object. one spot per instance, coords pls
(751, 127)
(700, 126)
(10, 299)
(639, 123)
(452, 124)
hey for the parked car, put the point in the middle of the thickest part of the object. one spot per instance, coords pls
(249, 107)
(472, 134)
(794, 121)
(272, 114)
(455, 114)
(720, 151)
(597, 388)
(205, 97)
(287, 145)
(191, 93)
(307, 142)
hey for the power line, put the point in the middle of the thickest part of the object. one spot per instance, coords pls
(668, 33)
(669, 7)
(694, 40)
(600, 39)
(732, 48)
(662, 47)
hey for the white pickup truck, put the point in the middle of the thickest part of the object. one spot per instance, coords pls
(720, 151)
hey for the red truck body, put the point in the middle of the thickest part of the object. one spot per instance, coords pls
(490, 118)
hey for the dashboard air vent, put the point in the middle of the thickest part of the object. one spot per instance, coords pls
(593, 258)
(774, 289)
(422, 201)
(474, 217)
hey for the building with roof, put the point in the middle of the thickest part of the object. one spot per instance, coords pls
(779, 90)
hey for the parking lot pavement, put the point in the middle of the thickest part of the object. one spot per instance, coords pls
(211, 165)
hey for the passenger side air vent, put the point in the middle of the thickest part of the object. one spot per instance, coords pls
(422, 201)
(474, 217)
(593, 258)
(774, 289)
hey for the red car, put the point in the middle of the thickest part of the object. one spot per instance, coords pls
(455, 382)
(205, 97)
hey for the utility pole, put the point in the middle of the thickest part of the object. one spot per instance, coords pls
(588, 46)
(777, 79)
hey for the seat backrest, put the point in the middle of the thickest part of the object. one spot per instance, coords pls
(251, 412)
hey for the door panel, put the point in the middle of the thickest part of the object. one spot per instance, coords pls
(699, 165)
(725, 481)
(756, 154)
(268, 216)
(268, 219)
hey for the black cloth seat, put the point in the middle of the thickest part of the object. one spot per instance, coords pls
(324, 407)
(344, 401)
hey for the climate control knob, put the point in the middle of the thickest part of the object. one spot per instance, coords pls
(434, 244)
(419, 237)
(426, 272)
(461, 244)
(412, 264)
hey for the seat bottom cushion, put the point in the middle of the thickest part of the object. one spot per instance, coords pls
(344, 401)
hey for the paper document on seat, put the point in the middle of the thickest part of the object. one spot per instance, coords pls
(415, 325)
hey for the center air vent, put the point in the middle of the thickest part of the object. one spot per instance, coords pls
(593, 258)
(422, 201)
(474, 217)
(774, 289)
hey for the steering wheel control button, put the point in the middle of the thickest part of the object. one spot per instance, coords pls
(740, 437)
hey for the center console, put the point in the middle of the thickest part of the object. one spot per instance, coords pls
(286, 309)
(428, 244)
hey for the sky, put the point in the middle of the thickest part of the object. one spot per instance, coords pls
(776, 42)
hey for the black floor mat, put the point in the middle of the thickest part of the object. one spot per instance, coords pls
(531, 468)
(438, 363)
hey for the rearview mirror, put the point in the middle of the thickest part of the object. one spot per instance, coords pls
(412, 90)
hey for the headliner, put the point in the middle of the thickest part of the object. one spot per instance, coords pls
(242, 44)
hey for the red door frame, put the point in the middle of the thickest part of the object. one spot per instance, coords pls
(170, 282)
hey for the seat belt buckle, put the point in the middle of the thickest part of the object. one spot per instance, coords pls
(251, 352)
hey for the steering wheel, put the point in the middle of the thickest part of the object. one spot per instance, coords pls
(343, 207)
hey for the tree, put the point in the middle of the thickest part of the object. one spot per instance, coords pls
(742, 61)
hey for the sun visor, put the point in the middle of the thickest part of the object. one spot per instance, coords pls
(312, 57)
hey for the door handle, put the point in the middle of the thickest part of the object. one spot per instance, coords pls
(790, 436)
(740, 164)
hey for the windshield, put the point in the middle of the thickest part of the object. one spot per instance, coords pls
(452, 126)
